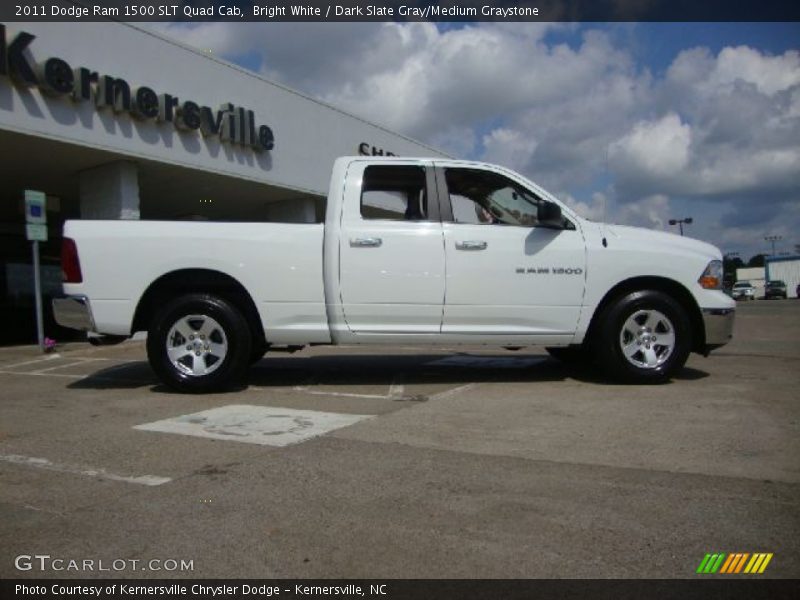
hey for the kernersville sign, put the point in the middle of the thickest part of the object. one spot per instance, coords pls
(57, 78)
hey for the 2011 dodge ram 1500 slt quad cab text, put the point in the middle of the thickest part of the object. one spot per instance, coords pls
(421, 251)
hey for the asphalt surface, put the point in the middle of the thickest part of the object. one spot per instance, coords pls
(462, 463)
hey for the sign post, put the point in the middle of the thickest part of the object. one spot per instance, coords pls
(36, 231)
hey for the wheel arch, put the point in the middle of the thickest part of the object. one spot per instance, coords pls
(672, 288)
(202, 281)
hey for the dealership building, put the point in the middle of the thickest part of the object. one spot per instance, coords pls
(112, 121)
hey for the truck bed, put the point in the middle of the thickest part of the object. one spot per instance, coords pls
(279, 263)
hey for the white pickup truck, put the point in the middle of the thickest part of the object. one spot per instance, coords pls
(412, 251)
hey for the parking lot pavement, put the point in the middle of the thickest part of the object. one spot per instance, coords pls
(410, 463)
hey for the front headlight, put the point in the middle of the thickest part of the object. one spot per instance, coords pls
(711, 279)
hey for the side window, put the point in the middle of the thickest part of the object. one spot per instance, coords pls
(483, 197)
(394, 192)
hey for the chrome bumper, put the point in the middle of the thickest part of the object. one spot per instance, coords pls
(719, 326)
(74, 312)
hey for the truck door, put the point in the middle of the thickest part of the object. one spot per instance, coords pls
(391, 249)
(507, 273)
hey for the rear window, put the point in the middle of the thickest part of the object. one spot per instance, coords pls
(394, 192)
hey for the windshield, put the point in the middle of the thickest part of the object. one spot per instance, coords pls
(742, 284)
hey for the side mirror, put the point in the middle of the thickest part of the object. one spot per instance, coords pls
(549, 215)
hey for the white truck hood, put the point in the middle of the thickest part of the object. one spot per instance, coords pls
(653, 239)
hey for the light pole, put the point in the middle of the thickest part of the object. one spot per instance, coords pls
(773, 239)
(680, 222)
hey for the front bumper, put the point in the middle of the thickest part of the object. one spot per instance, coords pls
(718, 325)
(74, 312)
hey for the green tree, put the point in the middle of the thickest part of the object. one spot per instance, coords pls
(756, 261)
(729, 266)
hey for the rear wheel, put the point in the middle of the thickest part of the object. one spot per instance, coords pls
(643, 337)
(199, 343)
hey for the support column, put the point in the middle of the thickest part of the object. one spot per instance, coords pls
(110, 191)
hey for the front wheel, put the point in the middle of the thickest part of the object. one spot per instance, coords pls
(199, 343)
(643, 337)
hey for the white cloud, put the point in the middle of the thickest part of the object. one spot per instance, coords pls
(509, 147)
(734, 67)
(770, 74)
(432, 79)
(727, 129)
(653, 149)
(594, 210)
(651, 212)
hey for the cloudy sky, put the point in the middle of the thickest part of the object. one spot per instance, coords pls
(645, 121)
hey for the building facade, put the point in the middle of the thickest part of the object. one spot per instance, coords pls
(112, 121)
(786, 269)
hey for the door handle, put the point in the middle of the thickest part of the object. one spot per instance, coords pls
(366, 242)
(471, 245)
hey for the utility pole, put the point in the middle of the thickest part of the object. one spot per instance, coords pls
(773, 239)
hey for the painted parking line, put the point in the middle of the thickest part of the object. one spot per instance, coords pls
(264, 425)
(80, 376)
(25, 373)
(63, 362)
(41, 359)
(397, 391)
(43, 463)
(77, 362)
(453, 391)
(108, 373)
(306, 390)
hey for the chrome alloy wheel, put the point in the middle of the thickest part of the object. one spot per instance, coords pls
(647, 339)
(196, 345)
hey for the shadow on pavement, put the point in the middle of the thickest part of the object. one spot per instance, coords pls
(370, 369)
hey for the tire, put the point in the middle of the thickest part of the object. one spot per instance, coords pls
(199, 343)
(571, 355)
(643, 337)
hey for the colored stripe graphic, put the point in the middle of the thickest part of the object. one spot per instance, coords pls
(742, 560)
(727, 564)
(715, 566)
(703, 563)
(711, 563)
(765, 563)
(755, 562)
(734, 563)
